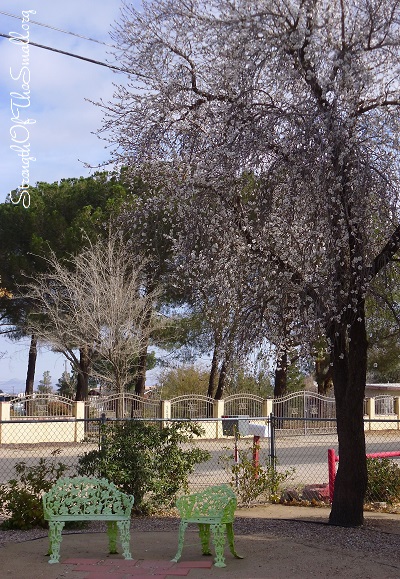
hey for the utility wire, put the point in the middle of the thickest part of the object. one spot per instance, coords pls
(21, 41)
(57, 29)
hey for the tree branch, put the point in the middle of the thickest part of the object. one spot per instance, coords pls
(386, 255)
(384, 103)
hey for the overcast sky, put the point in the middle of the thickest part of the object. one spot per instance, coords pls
(59, 132)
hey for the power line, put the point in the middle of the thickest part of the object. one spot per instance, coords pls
(21, 41)
(57, 29)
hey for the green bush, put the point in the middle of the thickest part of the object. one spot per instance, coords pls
(252, 481)
(145, 461)
(21, 498)
(383, 481)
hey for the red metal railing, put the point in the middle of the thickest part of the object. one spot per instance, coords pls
(333, 458)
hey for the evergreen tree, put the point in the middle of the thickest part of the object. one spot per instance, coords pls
(66, 385)
(45, 386)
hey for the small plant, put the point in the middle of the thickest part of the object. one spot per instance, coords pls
(383, 481)
(145, 461)
(21, 498)
(252, 481)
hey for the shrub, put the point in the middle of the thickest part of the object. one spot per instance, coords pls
(252, 481)
(383, 481)
(21, 498)
(145, 461)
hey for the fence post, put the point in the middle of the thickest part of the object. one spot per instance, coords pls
(256, 455)
(165, 412)
(218, 412)
(370, 410)
(78, 410)
(331, 471)
(272, 449)
(4, 416)
(268, 406)
(102, 440)
(5, 410)
(397, 410)
(165, 409)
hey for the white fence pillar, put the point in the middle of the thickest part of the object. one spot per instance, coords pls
(5, 410)
(397, 409)
(4, 415)
(370, 403)
(165, 409)
(268, 406)
(78, 411)
(218, 412)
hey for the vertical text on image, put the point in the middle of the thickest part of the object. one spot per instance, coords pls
(20, 101)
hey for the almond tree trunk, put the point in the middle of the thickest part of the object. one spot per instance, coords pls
(349, 377)
(323, 376)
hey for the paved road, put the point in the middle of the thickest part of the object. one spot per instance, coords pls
(10, 455)
(307, 455)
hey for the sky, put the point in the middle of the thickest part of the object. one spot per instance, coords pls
(45, 114)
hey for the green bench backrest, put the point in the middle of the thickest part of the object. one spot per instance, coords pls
(86, 496)
(217, 501)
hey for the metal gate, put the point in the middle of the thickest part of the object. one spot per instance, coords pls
(318, 410)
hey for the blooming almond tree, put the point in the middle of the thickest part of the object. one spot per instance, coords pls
(302, 95)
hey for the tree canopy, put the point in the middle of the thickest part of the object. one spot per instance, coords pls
(301, 98)
(62, 218)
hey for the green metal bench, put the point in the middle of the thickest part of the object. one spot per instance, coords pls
(212, 509)
(87, 499)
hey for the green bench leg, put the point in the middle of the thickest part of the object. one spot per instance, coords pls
(181, 537)
(125, 537)
(112, 532)
(204, 532)
(231, 540)
(55, 537)
(218, 532)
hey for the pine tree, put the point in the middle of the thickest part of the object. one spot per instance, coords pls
(45, 386)
(66, 385)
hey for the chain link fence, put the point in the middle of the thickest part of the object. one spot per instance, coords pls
(294, 461)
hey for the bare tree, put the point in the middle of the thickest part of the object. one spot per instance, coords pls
(304, 97)
(95, 303)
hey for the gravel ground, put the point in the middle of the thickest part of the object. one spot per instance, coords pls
(375, 538)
